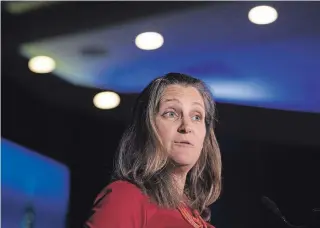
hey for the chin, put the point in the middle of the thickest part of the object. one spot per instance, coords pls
(183, 161)
(184, 156)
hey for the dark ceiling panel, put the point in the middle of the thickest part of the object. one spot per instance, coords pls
(71, 17)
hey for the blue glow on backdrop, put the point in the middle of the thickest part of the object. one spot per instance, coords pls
(31, 181)
(274, 66)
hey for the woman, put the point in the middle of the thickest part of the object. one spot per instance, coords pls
(168, 168)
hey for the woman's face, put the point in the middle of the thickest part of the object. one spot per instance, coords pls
(181, 123)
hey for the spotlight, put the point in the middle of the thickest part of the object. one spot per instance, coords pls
(106, 100)
(262, 15)
(149, 41)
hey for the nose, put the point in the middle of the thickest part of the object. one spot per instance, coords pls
(185, 127)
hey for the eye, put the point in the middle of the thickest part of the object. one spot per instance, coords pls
(196, 118)
(170, 114)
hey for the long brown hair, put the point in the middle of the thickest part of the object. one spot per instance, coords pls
(141, 160)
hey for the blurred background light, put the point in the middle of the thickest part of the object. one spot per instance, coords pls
(149, 41)
(106, 100)
(41, 64)
(262, 15)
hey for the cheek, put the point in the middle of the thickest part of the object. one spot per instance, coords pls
(163, 131)
(201, 135)
(162, 134)
(166, 133)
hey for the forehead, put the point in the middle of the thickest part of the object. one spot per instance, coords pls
(182, 93)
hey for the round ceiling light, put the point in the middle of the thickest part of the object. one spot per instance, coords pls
(262, 15)
(41, 64)
(106, 100)
(149, 41)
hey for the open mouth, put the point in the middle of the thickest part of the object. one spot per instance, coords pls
(184, 142)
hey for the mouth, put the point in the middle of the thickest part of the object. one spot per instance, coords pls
(183, 142)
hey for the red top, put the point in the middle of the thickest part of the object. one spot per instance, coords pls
(122, 205)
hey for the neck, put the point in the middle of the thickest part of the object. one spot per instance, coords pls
(179, 179)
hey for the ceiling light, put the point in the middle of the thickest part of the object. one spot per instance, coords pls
(106, 100)
(41, 64)
(262, 15)
(149, 41)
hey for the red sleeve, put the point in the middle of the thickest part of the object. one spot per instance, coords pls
(119, 205)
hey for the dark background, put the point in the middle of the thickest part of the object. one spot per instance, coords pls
(265, 152)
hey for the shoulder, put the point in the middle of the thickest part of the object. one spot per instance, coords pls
(121, 190)
(121, 186)
(120, 204)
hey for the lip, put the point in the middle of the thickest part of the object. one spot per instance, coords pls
(183, 143)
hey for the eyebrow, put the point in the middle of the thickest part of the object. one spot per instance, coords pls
(174, 99)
